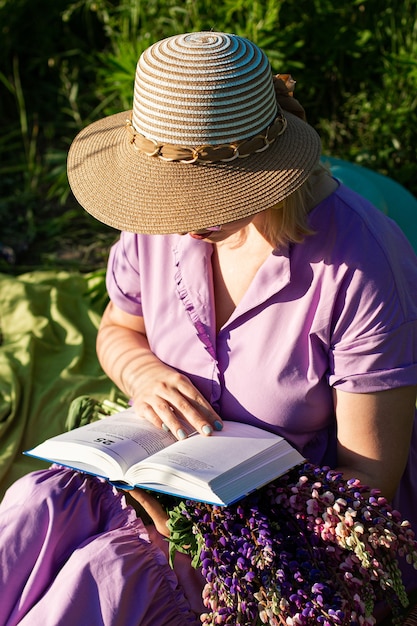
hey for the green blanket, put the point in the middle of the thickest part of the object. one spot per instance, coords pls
(48, 324)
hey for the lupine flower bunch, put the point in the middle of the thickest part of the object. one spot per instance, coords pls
(309, 548)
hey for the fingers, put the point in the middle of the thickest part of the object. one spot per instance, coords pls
(195, 411)
(164, 396)
(182, 419)
(180, 409)
(158, 413)
(153, 508)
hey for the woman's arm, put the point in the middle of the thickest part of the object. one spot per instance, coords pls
(374, 432)
(160, 394)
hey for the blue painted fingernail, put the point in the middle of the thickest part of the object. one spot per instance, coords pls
(207, 430)
(218, 425)
(165, 428)
(181, 434)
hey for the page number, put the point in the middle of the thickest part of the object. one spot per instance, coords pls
(104, 441)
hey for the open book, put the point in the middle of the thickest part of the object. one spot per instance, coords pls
(129, 452)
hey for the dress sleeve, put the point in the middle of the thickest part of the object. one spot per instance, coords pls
(123, 275)
(373, 344)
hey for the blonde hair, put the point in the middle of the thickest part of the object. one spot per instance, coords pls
(286, 222)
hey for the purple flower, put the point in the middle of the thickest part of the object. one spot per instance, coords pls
(309, 548)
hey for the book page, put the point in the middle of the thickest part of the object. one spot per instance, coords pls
(123, 437)
(204, 458)
(219, 469)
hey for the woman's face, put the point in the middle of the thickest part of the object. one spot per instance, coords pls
(219, 233)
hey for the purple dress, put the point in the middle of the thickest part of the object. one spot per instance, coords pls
(338, 310)
(72, 553)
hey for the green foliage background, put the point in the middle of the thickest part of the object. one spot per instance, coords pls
(65, 63)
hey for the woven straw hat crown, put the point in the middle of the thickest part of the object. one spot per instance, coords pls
(205, 143)
(203, 88)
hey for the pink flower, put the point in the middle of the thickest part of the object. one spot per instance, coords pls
(312, 507)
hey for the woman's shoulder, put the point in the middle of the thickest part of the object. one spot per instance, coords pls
(365, 270)
(349, 224)
(357, 245)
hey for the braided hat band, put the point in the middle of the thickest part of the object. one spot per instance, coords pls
(207, 152)
(205, 143)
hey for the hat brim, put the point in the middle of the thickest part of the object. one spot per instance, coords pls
(131, 191)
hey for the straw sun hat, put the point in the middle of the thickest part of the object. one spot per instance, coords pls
(206, 142)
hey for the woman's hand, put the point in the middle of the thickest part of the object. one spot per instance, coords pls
(153, 509)
(167, 398)
(160, 394)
